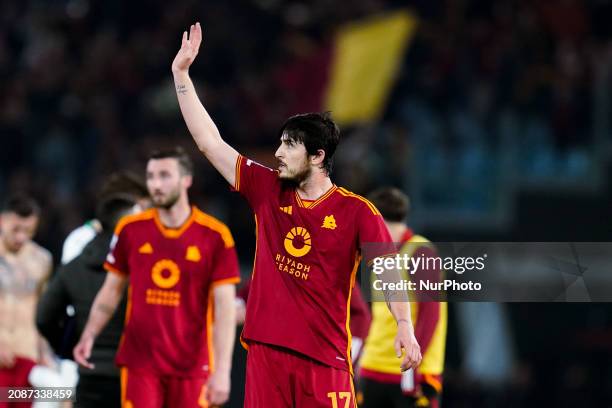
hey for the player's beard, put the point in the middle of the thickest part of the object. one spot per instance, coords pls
(168, 200)
(296, 177)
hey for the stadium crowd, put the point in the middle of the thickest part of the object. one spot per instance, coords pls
(85, 92)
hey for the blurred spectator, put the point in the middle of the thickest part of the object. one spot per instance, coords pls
(473, 66)
(120, 184)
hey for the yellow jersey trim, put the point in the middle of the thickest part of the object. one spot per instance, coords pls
(347, 193)
(214, 224)
(316, 202)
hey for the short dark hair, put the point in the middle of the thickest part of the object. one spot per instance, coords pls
(392, 203)
(21, 204)
(178, 153)
(111, 208)
(123, 182)
(316, 131)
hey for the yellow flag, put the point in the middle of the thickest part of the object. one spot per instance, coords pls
(368, 56)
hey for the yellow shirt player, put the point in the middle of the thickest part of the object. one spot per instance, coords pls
(382, 383)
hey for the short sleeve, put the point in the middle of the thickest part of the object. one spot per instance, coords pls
(374, 237)
(117, 258)
(254, 181)
(225, 267)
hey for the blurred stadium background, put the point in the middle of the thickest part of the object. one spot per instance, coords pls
(493, 116)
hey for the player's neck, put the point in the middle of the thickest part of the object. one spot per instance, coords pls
(397, 230)
(315, 186)
(176, 215)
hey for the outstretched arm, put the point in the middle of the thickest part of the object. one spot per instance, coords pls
(102, 310)
(224, 333)
(202, 128)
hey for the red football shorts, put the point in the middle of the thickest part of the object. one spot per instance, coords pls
(17, 376)
(143, 389)
(280, 378)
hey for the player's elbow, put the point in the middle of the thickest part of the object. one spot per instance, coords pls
(240, 311)
(209, 145)
(225, 302)
(113, 296)
(107, 300)
(225, 305)
(204, 149)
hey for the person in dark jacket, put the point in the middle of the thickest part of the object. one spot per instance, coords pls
(76, 284)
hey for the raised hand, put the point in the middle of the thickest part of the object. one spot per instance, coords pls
(190, 46)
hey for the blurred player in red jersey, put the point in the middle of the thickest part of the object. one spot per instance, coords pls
(181, 267)
(310, 234)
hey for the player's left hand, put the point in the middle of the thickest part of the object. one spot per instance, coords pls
(218, 388)
(406, 342)
(82, 351)
(190, 45)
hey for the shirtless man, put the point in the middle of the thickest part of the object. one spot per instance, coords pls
(24, 268)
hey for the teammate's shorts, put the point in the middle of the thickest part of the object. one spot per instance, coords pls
(143, 389)
(280, 378)
(17, 376)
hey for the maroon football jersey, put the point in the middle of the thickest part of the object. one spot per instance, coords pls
(305, 264)
(171, 276)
